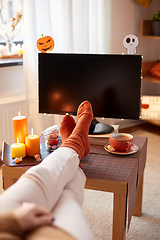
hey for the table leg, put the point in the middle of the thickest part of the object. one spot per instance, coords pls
(8, 181)
(119, 216)
(138, 204)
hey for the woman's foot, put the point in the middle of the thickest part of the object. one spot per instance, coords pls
(66, 127)
(78, 140)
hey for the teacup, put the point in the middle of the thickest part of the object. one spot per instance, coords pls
(121, 141)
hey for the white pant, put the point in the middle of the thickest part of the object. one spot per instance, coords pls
(57, 184)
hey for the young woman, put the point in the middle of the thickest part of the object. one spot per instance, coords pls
(53, 189)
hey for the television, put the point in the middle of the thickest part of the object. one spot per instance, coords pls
(110, 82)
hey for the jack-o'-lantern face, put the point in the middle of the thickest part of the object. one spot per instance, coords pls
(45, 44)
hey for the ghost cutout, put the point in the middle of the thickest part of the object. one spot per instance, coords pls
(130, 42)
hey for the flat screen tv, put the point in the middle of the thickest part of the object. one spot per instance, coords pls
(110, 82)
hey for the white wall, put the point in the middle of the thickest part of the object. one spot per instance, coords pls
(12, 100)
(126, 19)
(11, 81)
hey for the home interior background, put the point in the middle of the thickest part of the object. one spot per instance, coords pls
(76, 26)
(79, 26)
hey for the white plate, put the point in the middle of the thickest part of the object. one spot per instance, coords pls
(110, 149)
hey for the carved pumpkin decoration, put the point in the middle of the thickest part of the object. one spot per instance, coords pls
(45, 44)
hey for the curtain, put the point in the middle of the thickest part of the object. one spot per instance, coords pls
(76, 26)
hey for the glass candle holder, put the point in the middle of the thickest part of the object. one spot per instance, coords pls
(52, 138)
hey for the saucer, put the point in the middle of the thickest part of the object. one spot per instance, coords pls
(110, 149)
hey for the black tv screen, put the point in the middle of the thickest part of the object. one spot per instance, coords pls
(111, 83)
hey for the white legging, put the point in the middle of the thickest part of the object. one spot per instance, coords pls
(57, 184)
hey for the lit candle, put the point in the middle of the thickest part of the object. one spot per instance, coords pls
(32, 144)
(20, 128)
(18, 149)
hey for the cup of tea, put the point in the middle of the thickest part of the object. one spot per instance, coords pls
(121, 141)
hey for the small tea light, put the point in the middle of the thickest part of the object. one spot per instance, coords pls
(32, 144)
(18, 149)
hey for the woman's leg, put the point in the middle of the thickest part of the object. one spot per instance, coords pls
(68, 213)
(44, 183)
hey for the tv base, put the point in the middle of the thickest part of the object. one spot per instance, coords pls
(100, 128)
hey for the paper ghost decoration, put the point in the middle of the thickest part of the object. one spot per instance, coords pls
(130, 42)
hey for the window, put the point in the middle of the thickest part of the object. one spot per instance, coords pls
(11, 28)
(11, 20)
(10, 9)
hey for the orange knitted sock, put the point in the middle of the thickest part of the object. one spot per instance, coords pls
(78, 140)
(66, 127)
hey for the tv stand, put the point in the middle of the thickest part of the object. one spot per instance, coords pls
(99, 128)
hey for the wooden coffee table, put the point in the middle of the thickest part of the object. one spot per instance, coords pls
(119, 174)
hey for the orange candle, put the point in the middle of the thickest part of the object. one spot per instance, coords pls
(20, 128)
(32, 144)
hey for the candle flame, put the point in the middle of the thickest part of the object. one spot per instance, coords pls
(32, 131)
(19, 113)
(17, 140)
